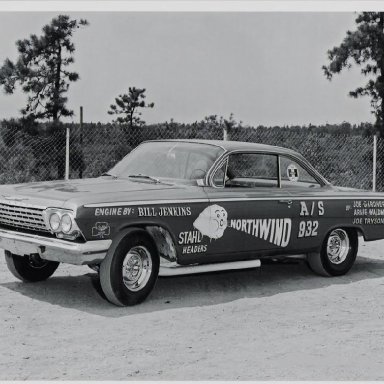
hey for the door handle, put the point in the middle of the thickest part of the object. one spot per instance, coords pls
(288, 202)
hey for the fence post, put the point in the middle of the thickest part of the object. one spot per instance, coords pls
(374, 163)
(225, 132)
(67, 155)
(81, 144)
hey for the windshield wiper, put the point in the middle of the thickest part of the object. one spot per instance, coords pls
(141, 176)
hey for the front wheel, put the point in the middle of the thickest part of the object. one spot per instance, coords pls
(337, 255)
(129, 271)
(30, 268)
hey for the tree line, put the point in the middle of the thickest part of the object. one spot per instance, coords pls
(43, 72)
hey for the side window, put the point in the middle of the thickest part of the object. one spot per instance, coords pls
(197, 166)
(252, 170)
(293, 174)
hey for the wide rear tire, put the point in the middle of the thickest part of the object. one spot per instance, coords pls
(30, 268)
(337, 255)
(130, 269)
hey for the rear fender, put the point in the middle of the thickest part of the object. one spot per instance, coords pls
(359, 230)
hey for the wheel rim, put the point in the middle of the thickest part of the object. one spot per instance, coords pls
(36, 262)
(137, 268)
(337, 246)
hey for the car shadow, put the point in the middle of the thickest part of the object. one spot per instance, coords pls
(84, 293)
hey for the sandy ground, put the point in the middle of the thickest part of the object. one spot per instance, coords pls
(277, 322)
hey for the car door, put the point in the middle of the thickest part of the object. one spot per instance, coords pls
(248, 213)
(311, 210)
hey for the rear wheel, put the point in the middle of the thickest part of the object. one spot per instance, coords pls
(30, 268)
(129, 271)
(337, 255)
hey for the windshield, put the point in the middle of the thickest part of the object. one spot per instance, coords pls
(167, 159)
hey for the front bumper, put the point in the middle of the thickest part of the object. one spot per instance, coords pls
(63, 251)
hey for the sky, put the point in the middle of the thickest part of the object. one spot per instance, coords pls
(264, 67)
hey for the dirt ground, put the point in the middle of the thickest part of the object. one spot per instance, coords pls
(277, 322)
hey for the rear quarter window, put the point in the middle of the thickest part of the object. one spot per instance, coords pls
(293, 174)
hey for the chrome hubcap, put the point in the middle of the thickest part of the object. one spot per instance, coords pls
(137, 268)
(337, 246)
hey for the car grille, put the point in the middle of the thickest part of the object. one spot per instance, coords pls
(22, 217)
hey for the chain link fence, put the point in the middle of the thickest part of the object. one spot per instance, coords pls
(40, 154)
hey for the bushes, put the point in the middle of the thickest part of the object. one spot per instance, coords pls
(31, 152)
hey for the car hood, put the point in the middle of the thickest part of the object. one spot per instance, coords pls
(74, 193)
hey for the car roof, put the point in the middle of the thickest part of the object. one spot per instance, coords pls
(230, 146)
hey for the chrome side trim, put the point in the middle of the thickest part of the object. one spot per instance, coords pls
(157, 202)
(302, 198)
(174, 269)
(149, 202)
(53, 249)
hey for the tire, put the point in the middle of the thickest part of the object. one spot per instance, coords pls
(337, 255)
(130, 269)
(30, 268)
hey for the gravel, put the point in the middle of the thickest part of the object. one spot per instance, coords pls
(277, 322)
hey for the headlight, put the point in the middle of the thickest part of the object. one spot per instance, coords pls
(54, 221)
(61, 222)
(66, 223)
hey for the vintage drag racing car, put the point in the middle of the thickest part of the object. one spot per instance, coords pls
(174, 207)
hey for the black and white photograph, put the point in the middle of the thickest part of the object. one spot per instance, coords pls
(191, 190)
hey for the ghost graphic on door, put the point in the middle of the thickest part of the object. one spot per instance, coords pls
(212, 222)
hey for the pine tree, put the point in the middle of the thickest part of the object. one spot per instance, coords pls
(128, 105)
(363, 47)
(41, 69)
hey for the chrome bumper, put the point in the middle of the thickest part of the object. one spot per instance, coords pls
(91, 252)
